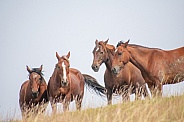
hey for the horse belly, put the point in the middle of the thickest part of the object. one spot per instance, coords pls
(174, 71)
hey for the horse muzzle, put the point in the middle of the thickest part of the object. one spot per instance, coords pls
(115, 70)
(95, 68)
(35, 94)
(64, 83)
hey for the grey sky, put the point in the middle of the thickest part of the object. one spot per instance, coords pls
(31, 31)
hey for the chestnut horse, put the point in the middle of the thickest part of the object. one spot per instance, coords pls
(67, 84)
(128, 81)
(33, 93)
(157, 66)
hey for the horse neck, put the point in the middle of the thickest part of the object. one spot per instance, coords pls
(56, 78)
(108, 63)
(139, 56)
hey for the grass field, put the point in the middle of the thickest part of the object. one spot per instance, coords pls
(155, 110)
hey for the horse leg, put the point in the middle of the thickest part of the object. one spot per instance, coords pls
(109, 96)
(127, 90)
(23, 111)
(138, 93)
(146, 91)
(66, 103)
(125, 97)
(78, 102)
(42, 107)
(159, 89)
(53, 105)
(126, 94)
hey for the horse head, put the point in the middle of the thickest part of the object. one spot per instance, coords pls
(35, 78)
(121, 57)
(63, 66)
(100, 54)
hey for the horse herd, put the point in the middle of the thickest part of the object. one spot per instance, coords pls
(130, 69)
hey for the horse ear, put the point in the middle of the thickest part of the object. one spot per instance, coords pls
(68, 55)
(41, 67)
(96, 42)
(126, 43)
(28, 69)
(57, 55)
(106, 41)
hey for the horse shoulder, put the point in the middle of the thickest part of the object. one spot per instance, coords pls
(23, 91)
(24, 86)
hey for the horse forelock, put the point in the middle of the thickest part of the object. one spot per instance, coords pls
(120, 43)
(38, 71)
(66, 59)
(103, 45)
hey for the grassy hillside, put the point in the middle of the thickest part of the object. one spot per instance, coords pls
(155, 110)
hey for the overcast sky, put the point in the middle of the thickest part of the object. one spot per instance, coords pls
(31, 31)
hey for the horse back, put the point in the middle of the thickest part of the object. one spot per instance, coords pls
(77, 73)
(165, 65)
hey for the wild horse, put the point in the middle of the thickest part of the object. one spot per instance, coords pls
(33, 93)
(157, 66)
(129, 80)
(67, 84)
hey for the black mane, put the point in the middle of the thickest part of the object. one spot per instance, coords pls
(38, 71)
(119, 43)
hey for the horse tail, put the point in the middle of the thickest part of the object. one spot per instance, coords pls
(92, 83)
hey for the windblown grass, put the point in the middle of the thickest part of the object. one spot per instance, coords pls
(154, 110)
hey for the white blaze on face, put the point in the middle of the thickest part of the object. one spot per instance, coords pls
(64, 71)
(35, 75)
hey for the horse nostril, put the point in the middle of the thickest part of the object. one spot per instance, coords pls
(93, 66)
(64, 83)
(35, 94)
(113, 70)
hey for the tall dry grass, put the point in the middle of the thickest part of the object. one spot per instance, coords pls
(154, 110)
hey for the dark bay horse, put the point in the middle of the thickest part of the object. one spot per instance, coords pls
(157, 66)
(33, 93)
(128, 81)
(67, 84)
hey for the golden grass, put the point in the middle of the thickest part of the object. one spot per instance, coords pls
(154, 110)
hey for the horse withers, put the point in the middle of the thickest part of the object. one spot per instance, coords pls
(157, 66)
(33, 93)
(128, 81)
(67, 84)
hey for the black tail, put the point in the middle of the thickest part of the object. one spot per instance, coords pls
(92, 83)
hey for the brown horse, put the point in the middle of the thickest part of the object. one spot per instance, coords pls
(128, 81)
(33, 93)
(67, 84)
(157, 66)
